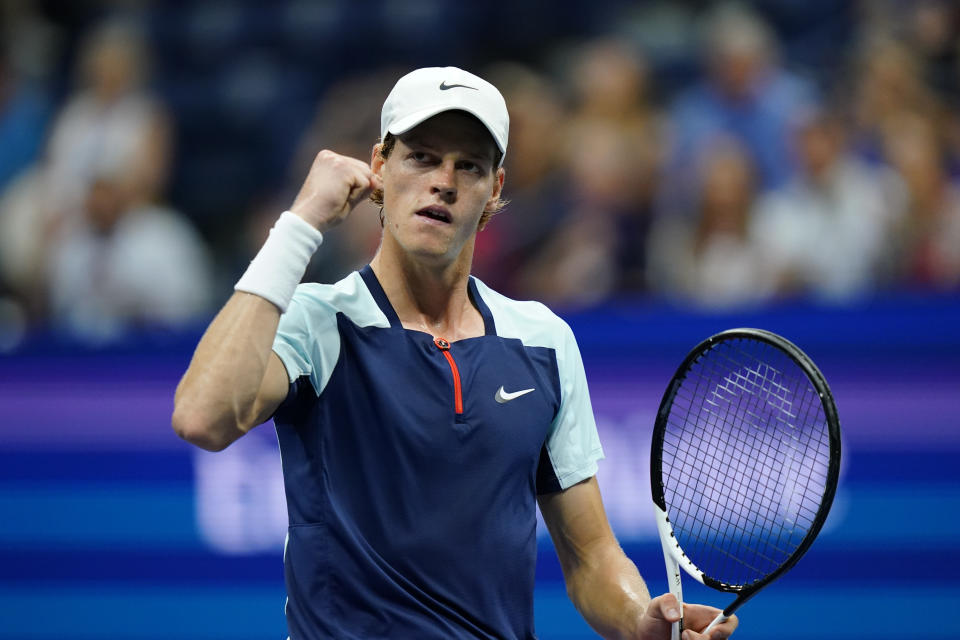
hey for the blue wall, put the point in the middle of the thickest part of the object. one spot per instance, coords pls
(112, 528)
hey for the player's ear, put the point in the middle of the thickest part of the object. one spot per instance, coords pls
(494, 202)
(377, 159)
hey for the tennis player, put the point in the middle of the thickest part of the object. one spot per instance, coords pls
(420, 414)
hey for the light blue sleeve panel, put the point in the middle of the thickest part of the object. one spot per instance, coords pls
(308, 339)
(572, 445)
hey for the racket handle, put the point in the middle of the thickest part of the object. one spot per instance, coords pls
(673, 575)
(720, 619)
(673, 569)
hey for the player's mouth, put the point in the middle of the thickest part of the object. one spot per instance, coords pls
(437, 213)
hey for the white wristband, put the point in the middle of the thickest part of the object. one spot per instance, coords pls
(276, 270)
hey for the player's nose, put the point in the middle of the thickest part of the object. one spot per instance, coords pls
(444, 182)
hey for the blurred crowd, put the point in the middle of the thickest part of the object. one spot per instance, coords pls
(713, 154)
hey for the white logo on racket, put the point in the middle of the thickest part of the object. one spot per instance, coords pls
(506, 396)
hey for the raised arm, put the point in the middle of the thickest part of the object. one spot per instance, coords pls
(235, 381)
(603, 583)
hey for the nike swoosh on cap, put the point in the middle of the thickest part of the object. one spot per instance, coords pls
(444, 86)
(506, 396)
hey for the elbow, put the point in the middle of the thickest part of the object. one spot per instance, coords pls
(192, 427)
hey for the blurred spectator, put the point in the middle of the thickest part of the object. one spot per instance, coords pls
(27, 48)
(611, 85)
(23, 231)
(127, 264)
(575, 265)
(929, 237)
(934, 33)
(609, 81)
(888, 83)
(23, 117)
(831, 227)
(112, 122)
(110, 125)
(611, 152)
(536, 184)
(591, 153)
(746, 94)
(713, 256)
(927, 30)
(598, 245)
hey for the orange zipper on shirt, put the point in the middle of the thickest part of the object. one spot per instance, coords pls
(444, 347)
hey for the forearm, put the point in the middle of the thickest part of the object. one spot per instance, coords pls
(608, 592)
(233, 383)
(216, 401)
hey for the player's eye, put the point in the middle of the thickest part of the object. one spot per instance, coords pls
(420, 156)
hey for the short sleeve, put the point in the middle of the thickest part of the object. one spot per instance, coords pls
(572, 448)
(307, 340)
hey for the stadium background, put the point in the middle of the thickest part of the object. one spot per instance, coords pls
(112, 528)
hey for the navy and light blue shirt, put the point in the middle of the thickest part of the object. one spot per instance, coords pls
(412, 465)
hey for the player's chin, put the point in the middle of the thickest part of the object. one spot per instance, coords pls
(438, 244)
(432, 251)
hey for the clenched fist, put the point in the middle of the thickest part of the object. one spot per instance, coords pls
(334, 186)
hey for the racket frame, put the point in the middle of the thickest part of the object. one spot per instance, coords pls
(674, 555)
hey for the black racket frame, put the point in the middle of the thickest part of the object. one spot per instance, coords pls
(745, 592)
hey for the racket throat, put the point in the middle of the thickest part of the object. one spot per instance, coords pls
(672, 549)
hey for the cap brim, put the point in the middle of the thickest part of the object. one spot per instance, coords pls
(402, 125)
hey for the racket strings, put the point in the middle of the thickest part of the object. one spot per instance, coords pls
(742, 508)
(745, 458)
(777, 403)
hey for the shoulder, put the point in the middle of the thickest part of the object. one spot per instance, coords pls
(308, 338)
(349, 296)
(531, 322)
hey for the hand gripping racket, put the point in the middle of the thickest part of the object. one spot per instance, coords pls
(744, 463)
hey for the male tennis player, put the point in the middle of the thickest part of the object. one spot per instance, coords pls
(420, 414)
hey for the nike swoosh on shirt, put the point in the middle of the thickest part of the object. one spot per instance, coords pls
(506, 396)
(444, 86)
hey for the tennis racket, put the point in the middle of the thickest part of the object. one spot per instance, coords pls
(744, 463)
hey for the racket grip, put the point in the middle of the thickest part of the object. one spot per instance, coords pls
(720, 619)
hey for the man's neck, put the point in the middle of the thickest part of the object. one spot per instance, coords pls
(430, 298)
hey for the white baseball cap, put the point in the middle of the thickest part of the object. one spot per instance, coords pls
(423, 93)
